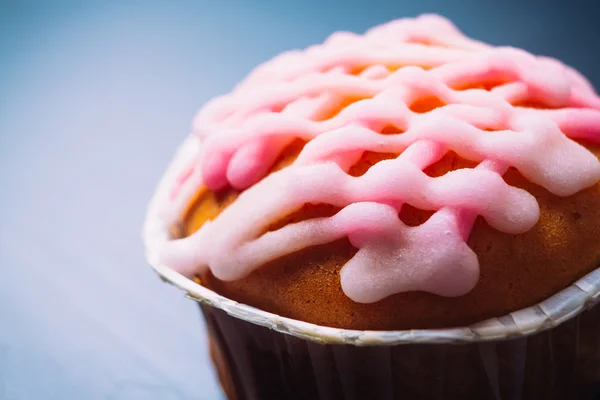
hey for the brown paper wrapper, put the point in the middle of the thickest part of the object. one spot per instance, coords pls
(258, 363)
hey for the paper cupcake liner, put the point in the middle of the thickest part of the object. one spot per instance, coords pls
(254, 362)
(549, 351)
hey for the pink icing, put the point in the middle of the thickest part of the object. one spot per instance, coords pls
(388, 69)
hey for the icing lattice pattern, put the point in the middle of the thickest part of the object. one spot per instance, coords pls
(440, 91)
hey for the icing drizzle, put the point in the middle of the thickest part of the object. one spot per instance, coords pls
(441, 91)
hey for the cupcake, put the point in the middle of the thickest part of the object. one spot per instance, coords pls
(404, 214)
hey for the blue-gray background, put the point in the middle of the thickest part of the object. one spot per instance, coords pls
(94, 98)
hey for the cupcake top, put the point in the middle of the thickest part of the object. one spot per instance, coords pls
(412, 90)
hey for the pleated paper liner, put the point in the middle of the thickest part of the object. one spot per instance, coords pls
(254, 362)
(548, 351)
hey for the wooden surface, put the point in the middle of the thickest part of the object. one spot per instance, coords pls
(94, 98)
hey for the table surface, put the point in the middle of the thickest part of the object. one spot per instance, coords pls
(94, 98)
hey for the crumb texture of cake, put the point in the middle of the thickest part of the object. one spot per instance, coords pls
(409, 177)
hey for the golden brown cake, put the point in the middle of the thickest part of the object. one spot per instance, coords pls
(517, 271)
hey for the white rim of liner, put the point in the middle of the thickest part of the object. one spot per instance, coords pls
(559, 308)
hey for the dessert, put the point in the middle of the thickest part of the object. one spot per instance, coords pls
(407, 178)
(483, 155)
